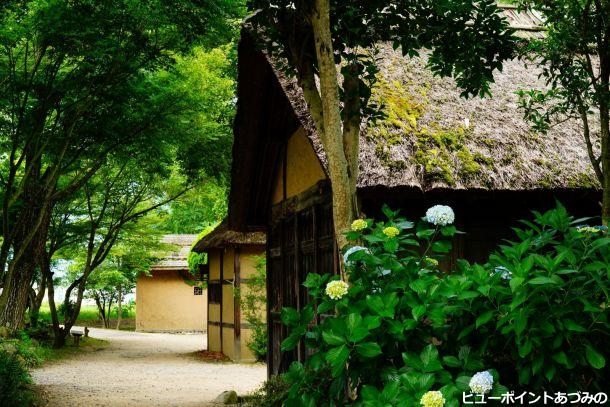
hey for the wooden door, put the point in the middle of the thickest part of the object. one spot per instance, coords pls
(299, 243)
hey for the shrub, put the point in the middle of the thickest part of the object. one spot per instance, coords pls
(271, 394)
(14, 379)
(544, 304)
(403, 330)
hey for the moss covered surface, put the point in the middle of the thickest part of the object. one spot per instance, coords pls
(440, 151)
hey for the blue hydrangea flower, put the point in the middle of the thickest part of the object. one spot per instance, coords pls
(481, 383)
(351, 251)
(505, 273)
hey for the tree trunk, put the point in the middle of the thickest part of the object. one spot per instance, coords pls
(59, 334)
(36, 301)
(343, 185)
(119, 316)
(605, 162)
(28, 242)
(16, 289)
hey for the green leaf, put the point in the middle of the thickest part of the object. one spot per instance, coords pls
(337, 357)
(292, 340)
(370, 394)
(418, 311)
(368, 349)
(426, 381)
(390, 392)
(520, 323)
(429, 357)
(561, 357)
(289, 316)
(573, 326)
(525, 349)
(599, 243)
(467, 295)
(373, 238)
(313, 280)
(515, 282)
(412, 360)
(429, 354)
(372, 322)
(595, 359)
(422, 234)
(442, 246)
(463, 383)
(325, 306)
(484, 318)
(332, 339)
(375, 304)
(542, 281)
(451, 361)
(549, 374)
(448, 230)
(405, 224)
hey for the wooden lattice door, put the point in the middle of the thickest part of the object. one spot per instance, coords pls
(299, 243)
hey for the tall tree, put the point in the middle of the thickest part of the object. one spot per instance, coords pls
(115, 198)
(574, 57)
(330, 47)
(72, 94)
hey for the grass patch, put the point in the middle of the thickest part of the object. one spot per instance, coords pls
(69, 349)
(33, 353)
(90, 317)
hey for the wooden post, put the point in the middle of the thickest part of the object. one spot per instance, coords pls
(221, 269)
(236, 304)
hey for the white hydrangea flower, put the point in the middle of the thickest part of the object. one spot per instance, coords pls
(350, 251)
(440, 215)
(336, 289)
(481, 383)
(432, 399)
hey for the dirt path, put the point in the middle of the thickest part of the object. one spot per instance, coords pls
(142, 369)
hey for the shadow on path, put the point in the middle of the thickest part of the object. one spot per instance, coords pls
(143, 369)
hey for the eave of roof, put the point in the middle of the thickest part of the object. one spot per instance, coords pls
(222, 237)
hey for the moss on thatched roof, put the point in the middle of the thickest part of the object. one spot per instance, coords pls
(222, 237)
(431, 137)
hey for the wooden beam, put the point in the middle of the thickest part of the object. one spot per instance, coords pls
(318, 193)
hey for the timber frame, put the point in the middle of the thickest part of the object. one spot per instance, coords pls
(300, 240)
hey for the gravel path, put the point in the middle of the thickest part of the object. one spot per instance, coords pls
(143, 369)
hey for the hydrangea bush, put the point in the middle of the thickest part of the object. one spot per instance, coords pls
(542, 304)
(383, 339)
(403, 332)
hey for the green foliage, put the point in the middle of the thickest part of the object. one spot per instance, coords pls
(573, 61)
(531, 316)
(90, 89)
(468, 39)
(197, 259)
(253, 301)
(550, 316)
(199, 208)
(271, 394)
(14, 379)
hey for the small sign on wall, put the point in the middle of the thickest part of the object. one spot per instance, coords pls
(197, 291)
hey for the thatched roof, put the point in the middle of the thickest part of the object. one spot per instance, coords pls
(222, 237)
(424, 146)
(177, 259)
(434, 138)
